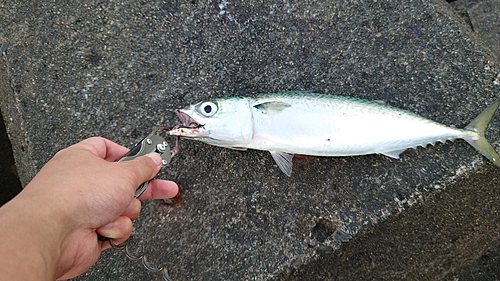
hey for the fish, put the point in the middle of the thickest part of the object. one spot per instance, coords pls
(321, 125)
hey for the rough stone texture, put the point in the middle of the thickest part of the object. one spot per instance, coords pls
(116, 69)
(452, 235)
(485, 19)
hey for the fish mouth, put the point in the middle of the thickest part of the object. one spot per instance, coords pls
(187, 121)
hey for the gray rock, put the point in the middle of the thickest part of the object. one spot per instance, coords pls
(117, 69)
(485, 17)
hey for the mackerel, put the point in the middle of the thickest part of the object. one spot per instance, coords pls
(320, 125)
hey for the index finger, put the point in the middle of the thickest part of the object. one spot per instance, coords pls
(160, 189)
(104, 148)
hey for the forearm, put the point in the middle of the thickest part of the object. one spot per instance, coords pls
(49, 230)
(30, 245)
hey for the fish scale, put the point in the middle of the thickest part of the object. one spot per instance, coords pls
(320, 125)
(336, 126)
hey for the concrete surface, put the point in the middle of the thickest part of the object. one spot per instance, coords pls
(116, 69)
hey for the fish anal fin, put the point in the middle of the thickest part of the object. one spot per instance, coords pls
(393, 154)
(272, 107)
(284, 161)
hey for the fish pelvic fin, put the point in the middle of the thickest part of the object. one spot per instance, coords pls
(284, 161)
(479, 141)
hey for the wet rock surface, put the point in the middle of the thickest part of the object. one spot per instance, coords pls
(117, 69)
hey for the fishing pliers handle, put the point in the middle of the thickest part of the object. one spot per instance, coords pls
(151, 143)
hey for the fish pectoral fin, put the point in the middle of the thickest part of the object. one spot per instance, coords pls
(284, 161)
(272, 107)
(393, 154)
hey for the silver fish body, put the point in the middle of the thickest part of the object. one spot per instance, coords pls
(320, 125)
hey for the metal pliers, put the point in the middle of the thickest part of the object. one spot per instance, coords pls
(151, 143)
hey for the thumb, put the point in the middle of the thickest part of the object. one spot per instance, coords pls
(143, 168)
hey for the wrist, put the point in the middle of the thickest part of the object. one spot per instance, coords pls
(35, 232)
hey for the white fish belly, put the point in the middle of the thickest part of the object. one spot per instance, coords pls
(344, 127)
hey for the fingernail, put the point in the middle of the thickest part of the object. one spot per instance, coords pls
(156, 157)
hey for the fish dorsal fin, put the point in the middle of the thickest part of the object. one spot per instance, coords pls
(301, 92)
(238, 148)
(284, 161)
(393, 154)
(381, 102)
(272, 107)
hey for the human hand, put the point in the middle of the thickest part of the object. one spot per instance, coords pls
(80, 192)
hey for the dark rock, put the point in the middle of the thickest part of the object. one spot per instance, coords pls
(117, 69)
(485, 17)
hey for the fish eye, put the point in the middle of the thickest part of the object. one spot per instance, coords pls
(208, 108)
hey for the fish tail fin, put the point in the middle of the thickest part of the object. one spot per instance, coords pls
(479, 141)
